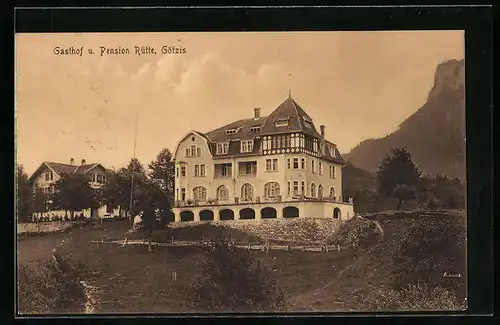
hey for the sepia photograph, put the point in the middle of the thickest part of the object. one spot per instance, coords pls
(240, 172)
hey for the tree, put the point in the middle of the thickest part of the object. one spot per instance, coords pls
(24, 195)
(39, 202)
(397, 169)
(116, 191)
(73, 193)
(403, 193)
(162, 173)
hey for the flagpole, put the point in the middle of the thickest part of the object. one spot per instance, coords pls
(132, 169)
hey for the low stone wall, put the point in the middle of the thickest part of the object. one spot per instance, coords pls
(308, 230)
(43, 227)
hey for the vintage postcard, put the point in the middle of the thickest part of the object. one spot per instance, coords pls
(194, 172)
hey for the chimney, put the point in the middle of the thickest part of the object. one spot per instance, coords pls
(322, 127)
(71, 161)
(256, 113)
(84, 161)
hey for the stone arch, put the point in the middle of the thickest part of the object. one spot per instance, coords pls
(187, 216)
(169, 216)
(268, 213)
(291, 212)
(206, 215)
(247, 213)
(337, 214)
(226, 214)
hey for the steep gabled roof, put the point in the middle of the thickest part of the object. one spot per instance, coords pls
(298, 120)
(244, 132)
(60, 169)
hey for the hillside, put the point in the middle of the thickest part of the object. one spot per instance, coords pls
(435, 134)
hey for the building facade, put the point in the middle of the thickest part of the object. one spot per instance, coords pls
(277, 166)
(48, 173)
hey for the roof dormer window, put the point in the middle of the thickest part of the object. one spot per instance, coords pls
(247, 146)
(255, 129)
(232, 131)
(281, 121)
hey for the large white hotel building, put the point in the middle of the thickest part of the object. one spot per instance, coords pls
(277, 166)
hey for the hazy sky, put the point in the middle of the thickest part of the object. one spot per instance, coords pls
(359, 84)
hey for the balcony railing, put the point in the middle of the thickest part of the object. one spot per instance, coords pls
(257, 200)
(249, 175)
(222, 177)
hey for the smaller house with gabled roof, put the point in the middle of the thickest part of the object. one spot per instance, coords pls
(48, 173)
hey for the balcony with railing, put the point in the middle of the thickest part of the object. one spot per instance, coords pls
(247, 169)
(223, 171)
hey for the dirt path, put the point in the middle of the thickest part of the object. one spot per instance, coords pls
(303, 298)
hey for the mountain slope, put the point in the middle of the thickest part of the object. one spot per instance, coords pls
(435, 134)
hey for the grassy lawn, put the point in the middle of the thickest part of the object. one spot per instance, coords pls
(132, 280)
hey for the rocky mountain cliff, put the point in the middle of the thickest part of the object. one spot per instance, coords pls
(434, 135)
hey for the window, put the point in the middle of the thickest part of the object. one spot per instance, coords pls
(320, 168)
(295, 163)
(49, 176)
(313, 190)
(295, 187)
(200, 193)
(193, 151)
(199, 170)
(183, 194)
(255, 129)
(100, 179)
(289, 188)
(303, 188)
(332, 192)
(231, 131)
(177, 194)
(271, 165)
(312, 167)
(281, 123)
(288, 163)
(247, 192)
(222, 148)
(222, 193)
(303, 163)
(247, 146)
(320, 191)
(332, 171)
(93, 177)
(177, 172)
(223, 170)
(271, 190)
(183, 171)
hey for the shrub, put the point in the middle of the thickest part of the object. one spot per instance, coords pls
(410, 298)
(234, 280)
(432, 251)
(357, 232)
(46, 288)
